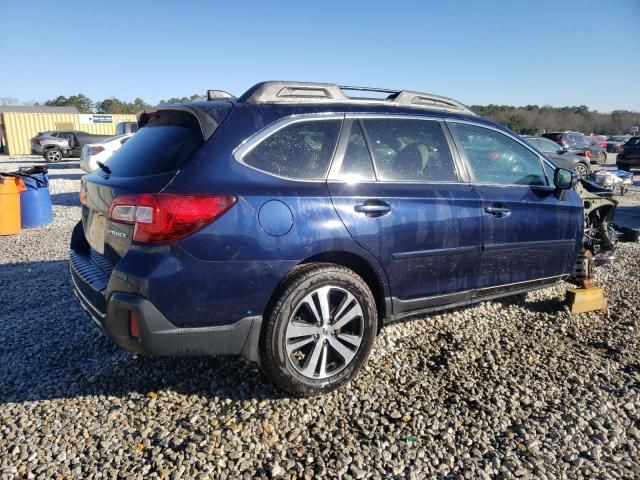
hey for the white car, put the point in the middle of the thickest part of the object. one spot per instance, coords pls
(92, 153)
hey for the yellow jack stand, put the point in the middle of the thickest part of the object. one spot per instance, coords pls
(588, 299)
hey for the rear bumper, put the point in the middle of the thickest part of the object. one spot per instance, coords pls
(158, 336)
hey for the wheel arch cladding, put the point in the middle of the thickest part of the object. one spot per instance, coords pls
(353, 262)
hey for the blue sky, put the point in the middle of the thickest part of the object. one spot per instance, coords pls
(506, 52)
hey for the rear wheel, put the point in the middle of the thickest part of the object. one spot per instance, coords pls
(601, 158)
(52, 155)
(320, 330)
(582, 170)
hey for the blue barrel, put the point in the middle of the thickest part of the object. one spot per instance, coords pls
(35, 201)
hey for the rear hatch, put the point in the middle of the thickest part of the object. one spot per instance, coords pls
(145, 164)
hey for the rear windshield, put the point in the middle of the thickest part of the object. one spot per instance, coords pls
(163, 145)
(553, 136)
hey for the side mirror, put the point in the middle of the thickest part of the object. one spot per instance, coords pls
(565, 148)
(564, 179)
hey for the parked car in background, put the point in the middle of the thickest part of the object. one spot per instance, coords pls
(291, 224)
(126, 127)
(560, 156)
(614, 142)
(578, 144)
(601, 140)
(92, 153)
(56, 145)
(598, 153)
(629, 155)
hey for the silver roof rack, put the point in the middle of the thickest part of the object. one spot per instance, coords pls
(309, 92)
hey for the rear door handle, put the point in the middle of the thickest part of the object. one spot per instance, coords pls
(371, 209)
(498, 212)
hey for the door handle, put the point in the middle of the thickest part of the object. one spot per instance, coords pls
(498, 212)
(373, 209)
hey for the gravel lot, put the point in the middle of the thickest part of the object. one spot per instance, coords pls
(515, 388)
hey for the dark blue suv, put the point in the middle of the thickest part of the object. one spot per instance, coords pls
(289, 225)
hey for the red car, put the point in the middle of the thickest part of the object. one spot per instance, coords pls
(600, 140)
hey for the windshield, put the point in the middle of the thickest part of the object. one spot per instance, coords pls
(547, 145)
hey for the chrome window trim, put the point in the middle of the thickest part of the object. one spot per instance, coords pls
(254, 140)
(336, 165)
(541, 157)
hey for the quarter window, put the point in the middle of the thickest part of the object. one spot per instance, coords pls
(496, 158)
(301, 150)
(356, 165)
(409, 150)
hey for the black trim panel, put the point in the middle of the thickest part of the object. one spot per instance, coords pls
(438, 251)
(527, 245)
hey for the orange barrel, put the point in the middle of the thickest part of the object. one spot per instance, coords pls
(10, 188)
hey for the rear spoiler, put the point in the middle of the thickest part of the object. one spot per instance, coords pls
(207, 123)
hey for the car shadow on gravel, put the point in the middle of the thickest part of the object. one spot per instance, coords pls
(51, 349)
(67, 199)
(65, 176)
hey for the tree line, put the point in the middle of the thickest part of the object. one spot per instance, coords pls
(528, 120)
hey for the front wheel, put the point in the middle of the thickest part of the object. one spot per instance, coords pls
(53, 155)
(320, 330)
(601, 158)
(582, 170)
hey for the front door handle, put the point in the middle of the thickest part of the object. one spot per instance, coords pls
(373, 208)
(498, 212)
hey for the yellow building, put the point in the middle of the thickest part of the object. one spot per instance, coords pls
(19, 124)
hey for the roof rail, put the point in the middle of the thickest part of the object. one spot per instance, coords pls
(310, 92)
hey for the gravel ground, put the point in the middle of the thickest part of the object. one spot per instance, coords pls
(515, 388)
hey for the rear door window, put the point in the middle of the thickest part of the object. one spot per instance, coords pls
(163, 145)
(409, 150)
(301, 150)
(497, 158)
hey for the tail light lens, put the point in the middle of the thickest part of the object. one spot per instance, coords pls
(587, 153)
(95, 150)
(36, 141)
(165, 217)
(621, 149)
(134, 328)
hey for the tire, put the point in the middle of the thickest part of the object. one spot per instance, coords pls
(582, 170)
(299, 348)
(53, 155)
(601, 158)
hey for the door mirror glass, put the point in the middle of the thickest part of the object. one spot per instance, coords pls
(564, 179)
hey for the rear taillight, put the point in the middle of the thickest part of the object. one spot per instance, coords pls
(621, 149)
(164, 217)
(95, 150)
(134, 328)
(36, 141)
(587, 153)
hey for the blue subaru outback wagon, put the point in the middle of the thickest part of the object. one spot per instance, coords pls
(289, 225)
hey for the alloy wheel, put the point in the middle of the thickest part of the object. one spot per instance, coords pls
(325, 332)
(54, 156)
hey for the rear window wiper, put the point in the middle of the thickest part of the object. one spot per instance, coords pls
(103, 167)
